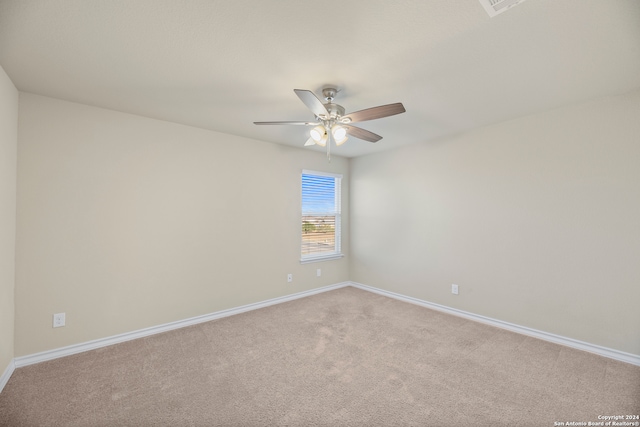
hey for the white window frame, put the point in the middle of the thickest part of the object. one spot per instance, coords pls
(337, 253)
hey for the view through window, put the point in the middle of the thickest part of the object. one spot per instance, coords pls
(320, 215)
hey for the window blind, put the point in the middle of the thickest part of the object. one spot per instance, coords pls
(321, 197)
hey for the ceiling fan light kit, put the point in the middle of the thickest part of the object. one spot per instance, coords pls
(323, 140)
(317, 133)
(332, 122)
(339, 132)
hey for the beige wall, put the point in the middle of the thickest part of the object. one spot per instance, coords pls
(8, 164)
(536, 219)
(126, 222)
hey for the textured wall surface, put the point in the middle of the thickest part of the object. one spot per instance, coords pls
(126, 222)
(536, 220)
(8, 165)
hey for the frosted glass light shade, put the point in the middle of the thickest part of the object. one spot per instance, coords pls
(323, 141)
(339, 142)
(339, 133)
(317, 133)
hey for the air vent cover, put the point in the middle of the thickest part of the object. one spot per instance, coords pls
(494, 7)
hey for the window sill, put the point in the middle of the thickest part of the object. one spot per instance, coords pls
(321, 258)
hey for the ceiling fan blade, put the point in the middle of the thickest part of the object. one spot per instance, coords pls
(374, 113)
(360, 133)
(312, 102)
(288, 123)
(310, 141)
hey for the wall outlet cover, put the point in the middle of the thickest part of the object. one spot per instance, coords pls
(59, 320)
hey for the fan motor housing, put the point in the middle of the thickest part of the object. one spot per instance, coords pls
(334, 110)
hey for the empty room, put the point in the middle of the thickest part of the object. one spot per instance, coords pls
(346, 213)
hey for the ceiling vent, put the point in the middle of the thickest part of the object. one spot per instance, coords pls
(494, 7)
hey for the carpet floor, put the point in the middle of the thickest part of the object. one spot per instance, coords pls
(341, 358)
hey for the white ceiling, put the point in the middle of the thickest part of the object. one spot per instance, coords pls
(221, 65)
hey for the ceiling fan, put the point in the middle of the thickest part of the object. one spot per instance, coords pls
(331, 122)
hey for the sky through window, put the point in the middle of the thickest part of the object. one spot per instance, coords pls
(318, 194)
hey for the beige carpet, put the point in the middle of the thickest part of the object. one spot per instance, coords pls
(342, 358)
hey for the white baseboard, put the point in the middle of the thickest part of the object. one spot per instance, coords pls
(103, 342)
(633, 359)
(4, 379)
(128, 336)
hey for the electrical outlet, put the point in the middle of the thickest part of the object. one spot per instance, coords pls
(289, 277)
(58, 320)
(318, 272)
(454, 289)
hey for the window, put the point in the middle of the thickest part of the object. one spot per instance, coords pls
(320, 216)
